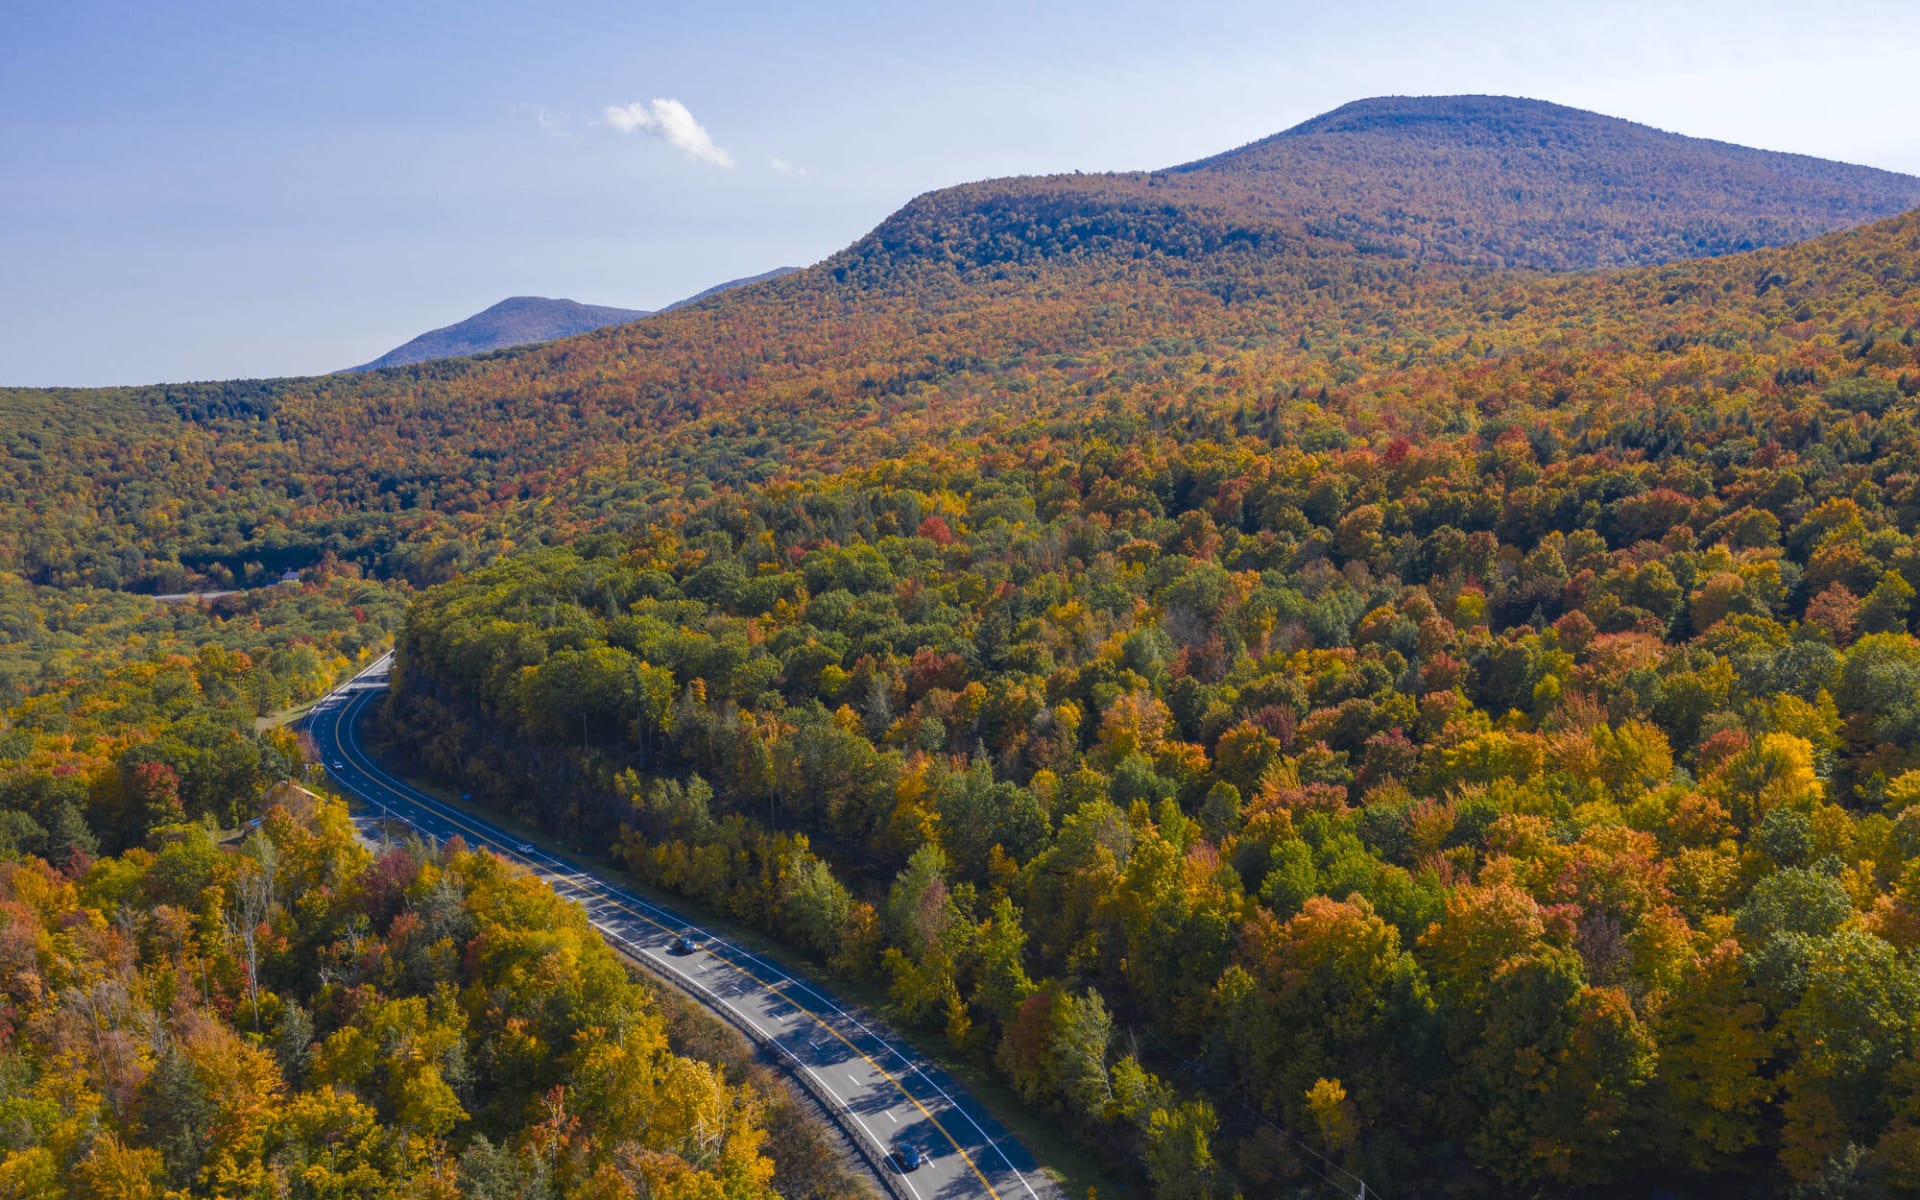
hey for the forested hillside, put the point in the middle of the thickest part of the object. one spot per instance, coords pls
(1009, 298)
(1468, 180)
(1486, 754)
(1278, 658)
(295, 1016)
(1521, 183)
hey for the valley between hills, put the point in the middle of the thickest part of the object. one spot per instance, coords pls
(1387, 654)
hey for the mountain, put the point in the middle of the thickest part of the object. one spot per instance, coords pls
(515, 321)
(1498, 686)
(1476, 180)
(1514, 182)
(991, 302)
(1452, 696)
(529, 320)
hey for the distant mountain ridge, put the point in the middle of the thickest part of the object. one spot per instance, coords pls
(530, 320)
(515, 321)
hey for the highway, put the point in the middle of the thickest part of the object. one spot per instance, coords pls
(884, 1094)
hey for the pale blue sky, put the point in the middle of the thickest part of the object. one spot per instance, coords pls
(218, 188)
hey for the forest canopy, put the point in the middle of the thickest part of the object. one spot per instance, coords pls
(1502, 781)
(1303, 682)
(296, 1015)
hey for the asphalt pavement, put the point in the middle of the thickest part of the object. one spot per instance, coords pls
(887, 1096)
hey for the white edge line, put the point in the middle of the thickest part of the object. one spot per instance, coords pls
(344, 723)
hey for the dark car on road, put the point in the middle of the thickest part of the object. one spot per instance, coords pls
(685, 943)
(908, 1156)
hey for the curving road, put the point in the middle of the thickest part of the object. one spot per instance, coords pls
(885, 1095)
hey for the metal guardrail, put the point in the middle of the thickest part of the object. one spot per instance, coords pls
(876, 1155)
(839, 1111)
(878, 1159)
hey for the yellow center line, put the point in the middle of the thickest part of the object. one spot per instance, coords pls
(765, 986)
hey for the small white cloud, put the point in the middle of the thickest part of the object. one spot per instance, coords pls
(780, 166)
(554, 124)
(670, 121)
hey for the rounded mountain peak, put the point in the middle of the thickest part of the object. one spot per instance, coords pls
(1401, 112)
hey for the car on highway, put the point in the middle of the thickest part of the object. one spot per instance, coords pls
(523, 848)
(907, 1156)
(336, 765)
(685, 943)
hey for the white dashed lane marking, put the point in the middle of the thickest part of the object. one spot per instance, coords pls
(616, 919)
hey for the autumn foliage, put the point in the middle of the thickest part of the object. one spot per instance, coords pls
(297, 1016)
(1499, 771)
(1290, 692)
